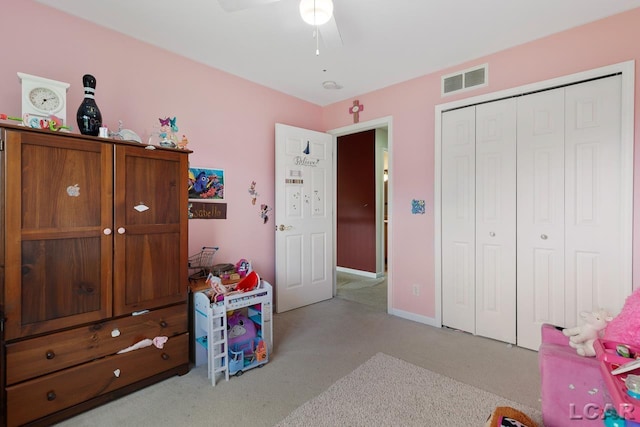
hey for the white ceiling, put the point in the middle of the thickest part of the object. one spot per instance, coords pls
(384, 41)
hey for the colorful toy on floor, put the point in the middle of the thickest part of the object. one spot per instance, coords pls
(582, 337)
(240, 329)
(507, 416)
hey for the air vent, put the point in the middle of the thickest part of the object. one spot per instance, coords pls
(465, 80)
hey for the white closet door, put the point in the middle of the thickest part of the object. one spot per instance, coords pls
(496, 220)
(593, 217)
(458, 219)
(541, 199)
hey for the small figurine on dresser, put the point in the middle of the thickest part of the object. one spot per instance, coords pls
(168, 129)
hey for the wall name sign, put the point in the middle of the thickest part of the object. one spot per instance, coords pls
(199, 210)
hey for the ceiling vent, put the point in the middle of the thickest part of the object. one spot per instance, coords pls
(465, 80)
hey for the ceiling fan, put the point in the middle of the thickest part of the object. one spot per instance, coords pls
(318, 13)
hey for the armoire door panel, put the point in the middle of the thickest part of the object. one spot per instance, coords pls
(458, 219)
(60, 206)
(496, 220)
(150, 229)
(593, 217)
(540, 215)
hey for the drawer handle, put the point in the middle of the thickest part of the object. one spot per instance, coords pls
(50, 354)
(163, 323)
(51, 396)
(165, 356)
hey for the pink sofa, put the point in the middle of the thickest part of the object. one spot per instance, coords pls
(573, 390)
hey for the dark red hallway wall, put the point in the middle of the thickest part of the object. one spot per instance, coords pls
(356, 201)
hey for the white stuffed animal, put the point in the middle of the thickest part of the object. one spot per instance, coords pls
(582, 337)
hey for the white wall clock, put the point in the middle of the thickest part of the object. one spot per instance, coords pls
(42, 97)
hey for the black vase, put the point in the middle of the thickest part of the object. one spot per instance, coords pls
(88, 116)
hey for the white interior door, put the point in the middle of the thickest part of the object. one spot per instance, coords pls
(303, 217)
(458, 219)
(495, 220)
(593, 213)
(541, 200)
(570, 217)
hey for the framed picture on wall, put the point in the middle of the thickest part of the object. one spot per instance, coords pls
(206, 184)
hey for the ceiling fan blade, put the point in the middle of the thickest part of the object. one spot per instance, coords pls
(330, 34)
(235, 5)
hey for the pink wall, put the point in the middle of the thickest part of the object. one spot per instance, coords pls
(230, 122)
(412, 103)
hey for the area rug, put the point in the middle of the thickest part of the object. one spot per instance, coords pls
(385, 391)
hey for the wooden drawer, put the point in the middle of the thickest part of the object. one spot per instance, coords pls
(45, 395)
(43, 355)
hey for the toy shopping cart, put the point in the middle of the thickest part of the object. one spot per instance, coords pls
(200, 264)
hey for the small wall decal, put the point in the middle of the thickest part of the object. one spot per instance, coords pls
(253, 193)
(264, 211)
(417, 207)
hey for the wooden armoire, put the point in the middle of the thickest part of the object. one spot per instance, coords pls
(93, 259)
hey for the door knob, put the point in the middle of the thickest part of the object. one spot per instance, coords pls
(543, 236)
(106, 231)
(492, 234)
(285, 227)
(121, 230)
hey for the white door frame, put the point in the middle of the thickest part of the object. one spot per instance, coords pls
(383, 122)
(627, 70)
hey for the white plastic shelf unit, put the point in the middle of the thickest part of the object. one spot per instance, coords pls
(211, 328)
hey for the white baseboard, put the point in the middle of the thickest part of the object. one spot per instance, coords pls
(431, 321)
(367, 274)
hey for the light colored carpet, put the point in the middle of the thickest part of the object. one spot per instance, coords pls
(363, 290)
(314, 347)
(353, 281)
(386, 391)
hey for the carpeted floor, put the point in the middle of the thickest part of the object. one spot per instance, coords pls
(363, 290)
(314, 347)
(388, 391)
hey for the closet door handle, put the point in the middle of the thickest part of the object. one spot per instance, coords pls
(492, 234)
(543, 236)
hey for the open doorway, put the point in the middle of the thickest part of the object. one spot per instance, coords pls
(362, 216)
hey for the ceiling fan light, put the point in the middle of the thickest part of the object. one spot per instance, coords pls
(331, 85)
(316, 12)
